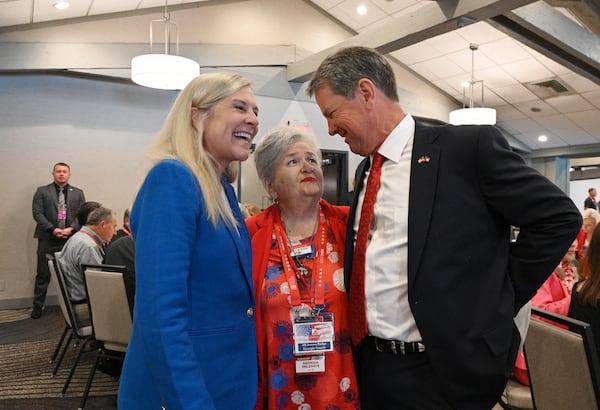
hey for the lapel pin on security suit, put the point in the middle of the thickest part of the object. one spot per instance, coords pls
(423, 158)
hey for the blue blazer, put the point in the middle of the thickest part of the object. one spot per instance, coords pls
(193, 344)
(466, 280)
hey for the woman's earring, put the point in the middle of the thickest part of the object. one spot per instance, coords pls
(274, 201)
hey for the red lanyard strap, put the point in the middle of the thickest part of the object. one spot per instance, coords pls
(318, 300)
(98, 243)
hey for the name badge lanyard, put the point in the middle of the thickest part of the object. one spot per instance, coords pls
(98, 243)
(318, 301)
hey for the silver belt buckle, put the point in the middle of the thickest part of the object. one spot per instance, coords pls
(393, 343)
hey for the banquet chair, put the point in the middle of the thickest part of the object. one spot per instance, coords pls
(516, 396)
(63, 309)
(562, 363)
(110, 313)
(81, 334)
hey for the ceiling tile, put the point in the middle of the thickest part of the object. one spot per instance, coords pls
(15, 12)
(535, 108)
(556, 68)
(504, 51)
(391, 7)
(569, 103)
(569, 132)
(378, 23)
(451, 87)
(346, 12)
(111, 6)
(508, 112)
(526, 126)
(527, 70)
(554, 141)
(45, 11)
(480, 33)
(440, 67)
(579, 83)
(448, 43)
(557, 122)
(495, 77)
(465, 58)
(411, 9)
(491, 99)
(415, 53)
(588, 120)
(514, 94)
(593, 97)
(327, 4)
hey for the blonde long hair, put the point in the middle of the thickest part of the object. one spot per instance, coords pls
(179, 139)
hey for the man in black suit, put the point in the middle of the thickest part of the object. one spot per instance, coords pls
(54, 209)
(121, 251)
(590, 201)
(442, 280)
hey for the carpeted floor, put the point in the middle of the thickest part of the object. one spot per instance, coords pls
(26, 346)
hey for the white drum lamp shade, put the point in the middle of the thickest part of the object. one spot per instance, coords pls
(163, 71)
(473, 116)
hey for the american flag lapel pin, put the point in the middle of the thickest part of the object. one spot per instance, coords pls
(423, 159)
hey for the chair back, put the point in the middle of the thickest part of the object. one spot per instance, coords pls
(79, 330)
(562, 363)
(52, 265)
(109, 308)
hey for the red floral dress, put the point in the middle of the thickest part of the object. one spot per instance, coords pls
(334, 389)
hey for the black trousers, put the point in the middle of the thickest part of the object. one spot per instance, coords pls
(42, 277)
(389, 382)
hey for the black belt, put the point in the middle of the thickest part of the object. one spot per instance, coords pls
(395, 347)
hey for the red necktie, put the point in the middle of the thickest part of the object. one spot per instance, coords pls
(358, 318)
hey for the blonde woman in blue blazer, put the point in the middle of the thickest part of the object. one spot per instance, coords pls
(193, 342)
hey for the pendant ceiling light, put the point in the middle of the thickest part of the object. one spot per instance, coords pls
(164, 71)
(469, 114)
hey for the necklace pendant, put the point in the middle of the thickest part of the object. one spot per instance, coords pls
(303, 271)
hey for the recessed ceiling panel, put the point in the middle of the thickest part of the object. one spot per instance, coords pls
(527, 70)
(45, 11)
(570, 103)
(515, 94)
(15, 12)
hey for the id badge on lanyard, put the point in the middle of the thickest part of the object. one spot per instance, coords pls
(313, 337)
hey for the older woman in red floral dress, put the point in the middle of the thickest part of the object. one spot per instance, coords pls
(305, 355)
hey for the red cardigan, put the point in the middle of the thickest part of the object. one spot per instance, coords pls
(261, 231)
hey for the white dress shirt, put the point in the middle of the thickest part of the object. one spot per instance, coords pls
(386, 274)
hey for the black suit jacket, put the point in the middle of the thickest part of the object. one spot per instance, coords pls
(466, 280)
(45, 210)
(589, 203)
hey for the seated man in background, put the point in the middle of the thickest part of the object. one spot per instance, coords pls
(121, 251)
(86, 247)
(125, 230)
(85, 209)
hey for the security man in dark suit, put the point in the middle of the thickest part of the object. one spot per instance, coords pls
(441, 281)
(55, 211)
